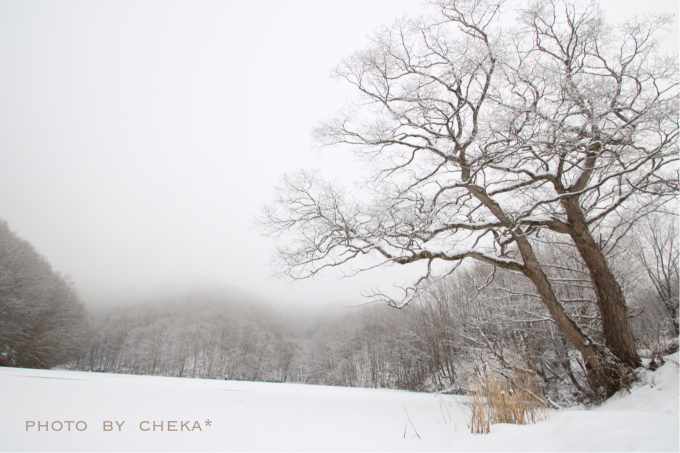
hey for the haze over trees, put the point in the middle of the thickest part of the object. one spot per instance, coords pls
(487, 142)
(42, 319)
(456, 330)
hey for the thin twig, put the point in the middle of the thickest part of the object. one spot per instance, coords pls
(409, 419)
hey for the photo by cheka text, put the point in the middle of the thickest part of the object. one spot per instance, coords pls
(117, 426)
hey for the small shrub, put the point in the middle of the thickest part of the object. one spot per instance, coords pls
(656, 348)
(515, 400)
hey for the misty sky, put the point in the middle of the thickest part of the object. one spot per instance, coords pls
(138, 139)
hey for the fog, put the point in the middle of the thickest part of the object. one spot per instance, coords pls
(138, 140)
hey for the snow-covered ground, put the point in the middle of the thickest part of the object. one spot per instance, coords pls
(252, 416)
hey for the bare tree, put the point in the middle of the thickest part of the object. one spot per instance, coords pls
(595, 118)
(655, 247)
(481, 139)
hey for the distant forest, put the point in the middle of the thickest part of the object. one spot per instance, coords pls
(42, 319)
(479, 317)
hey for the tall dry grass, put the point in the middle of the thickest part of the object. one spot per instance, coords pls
(517, 399)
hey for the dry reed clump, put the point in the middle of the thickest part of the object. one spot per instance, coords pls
(518, 400)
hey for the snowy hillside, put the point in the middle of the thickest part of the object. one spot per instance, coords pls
(253, 416)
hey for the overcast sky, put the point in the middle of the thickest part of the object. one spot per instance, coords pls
(138, 139)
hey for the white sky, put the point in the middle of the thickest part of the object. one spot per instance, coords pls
(139, 138)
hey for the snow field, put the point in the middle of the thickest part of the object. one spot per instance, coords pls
(256, 416)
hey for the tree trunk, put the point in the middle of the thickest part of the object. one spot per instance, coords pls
(604, 371)
(610, 299)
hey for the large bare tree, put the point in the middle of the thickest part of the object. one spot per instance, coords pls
(483, 137)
